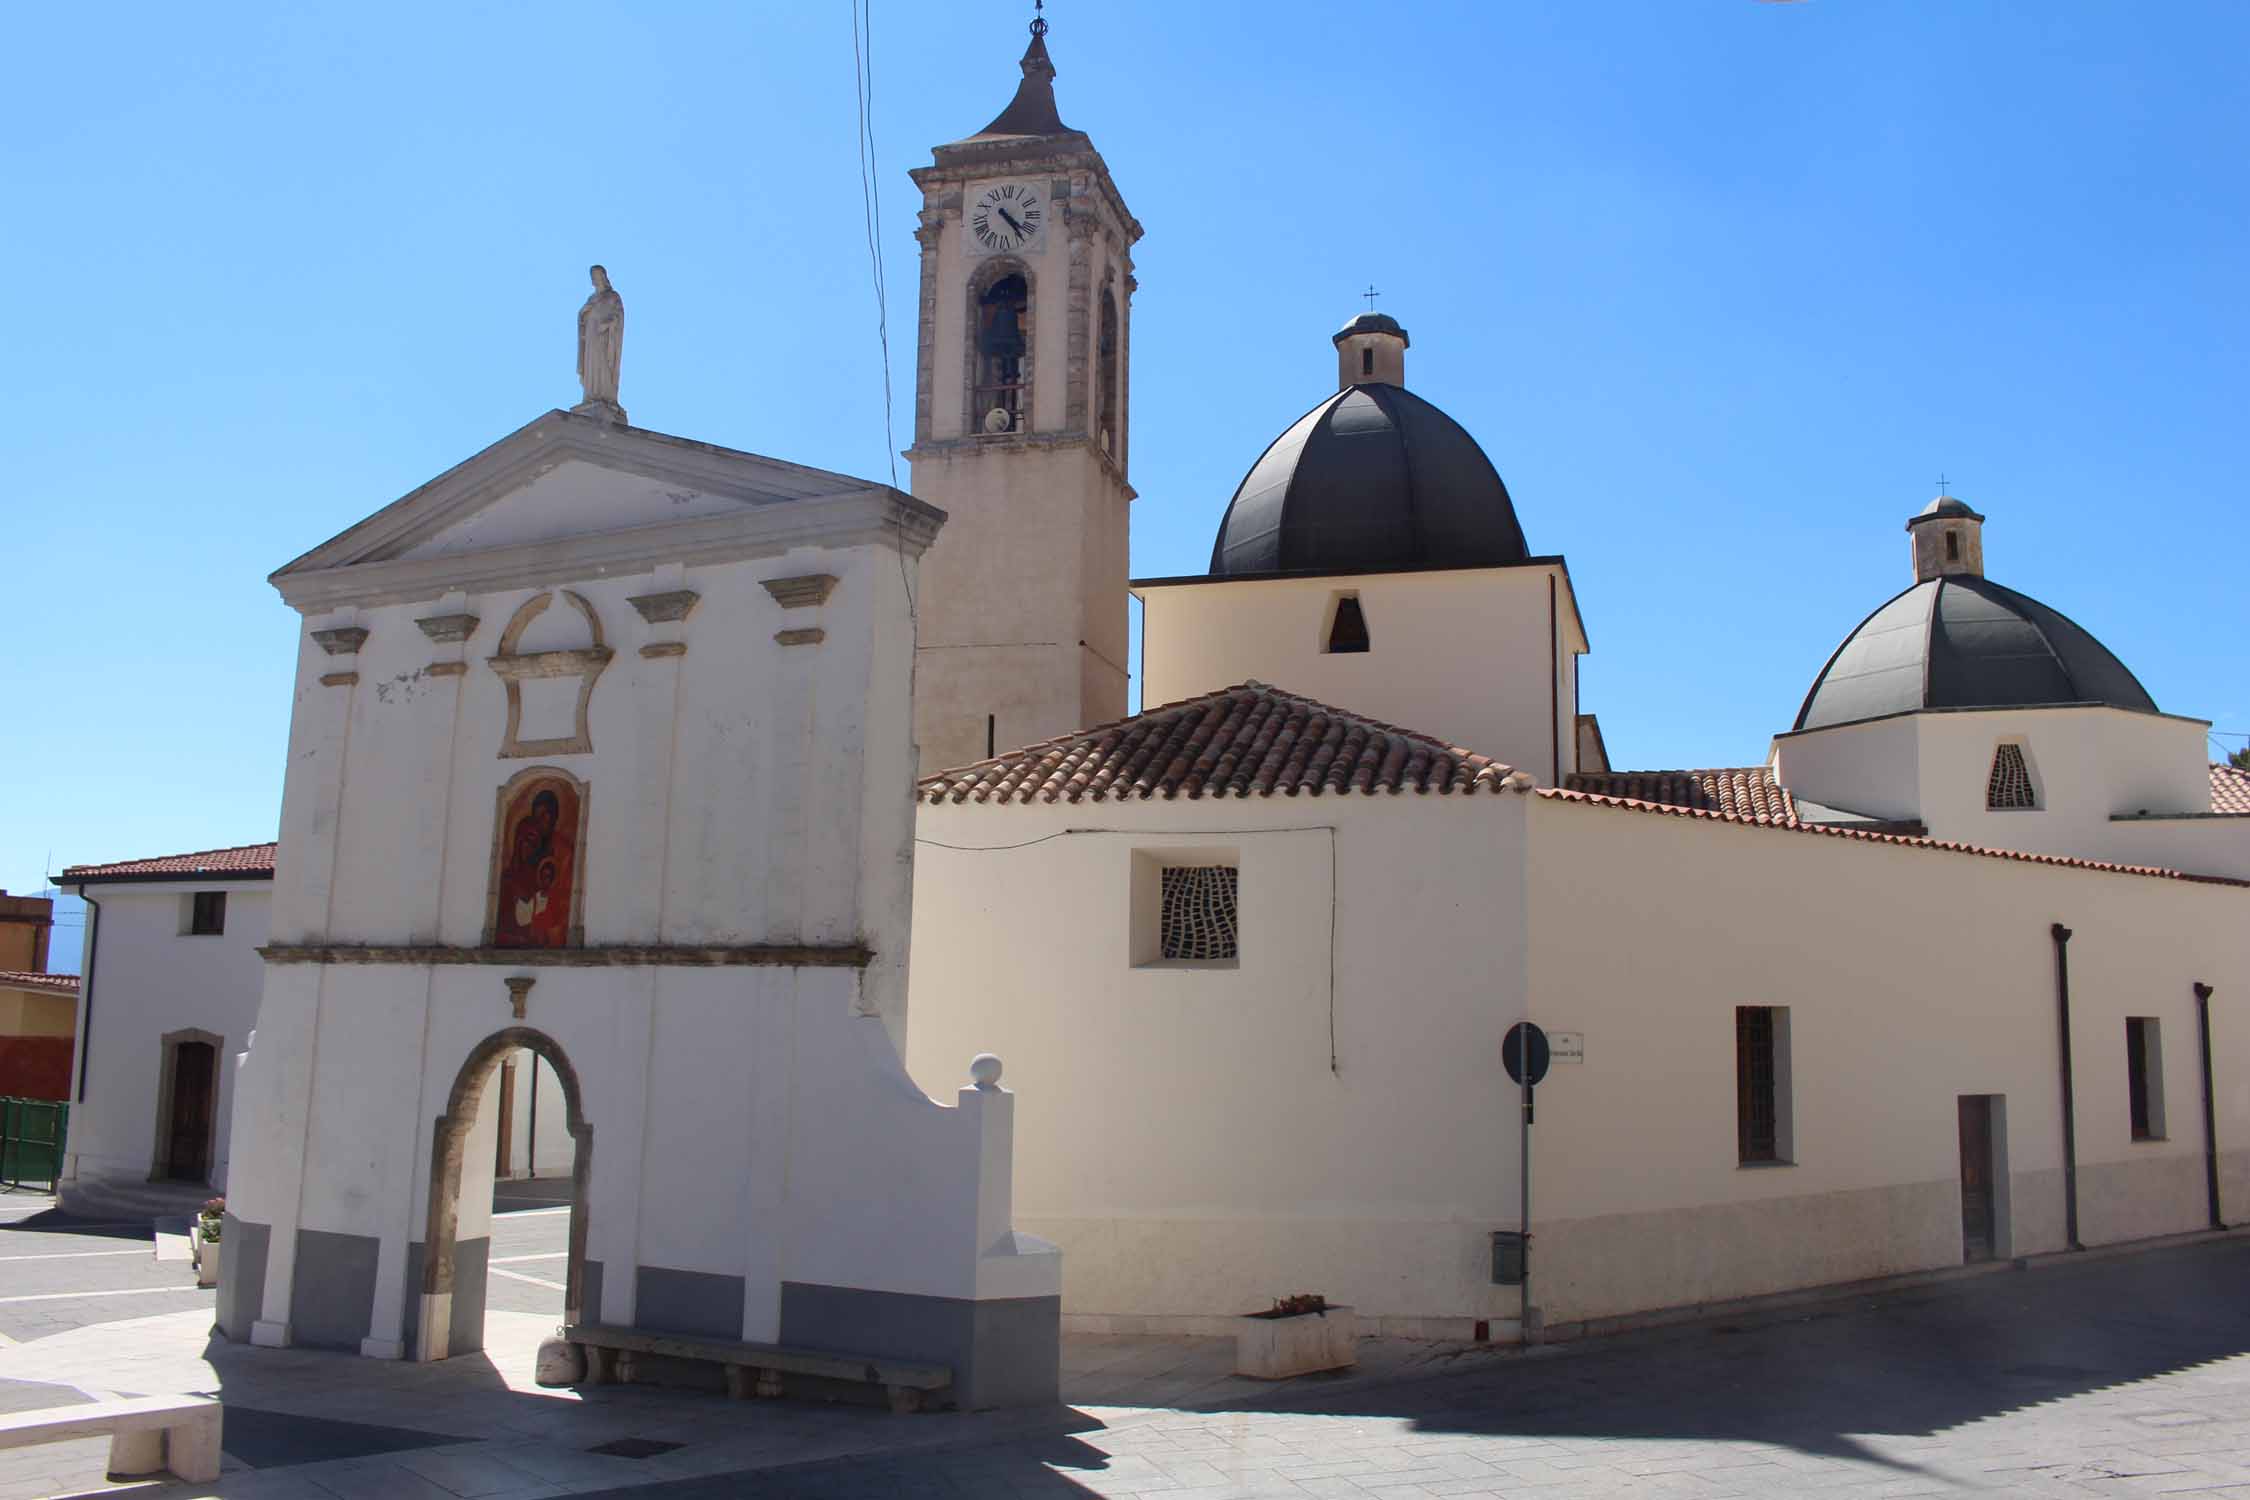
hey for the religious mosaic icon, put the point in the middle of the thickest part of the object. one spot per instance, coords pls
(537, 871)
(1007, 217)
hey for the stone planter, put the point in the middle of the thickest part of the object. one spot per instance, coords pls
(206, 1260)
(1271, 1348)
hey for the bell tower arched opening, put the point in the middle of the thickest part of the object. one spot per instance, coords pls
(1000, 391)
(434, 1333)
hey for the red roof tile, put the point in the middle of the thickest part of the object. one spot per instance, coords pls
(55, 984)
(2230, 789)
(1565, 794)
(245, 861)
(1244, 741)
(1740, 791)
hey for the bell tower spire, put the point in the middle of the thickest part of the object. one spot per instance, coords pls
(1022, 421)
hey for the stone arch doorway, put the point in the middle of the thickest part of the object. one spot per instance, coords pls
(433, 1323)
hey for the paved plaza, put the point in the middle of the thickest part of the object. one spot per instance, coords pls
(2116, 1375)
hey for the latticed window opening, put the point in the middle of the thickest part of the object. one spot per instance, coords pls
(2010, 785)
(1198, 919)
(1757, 1115)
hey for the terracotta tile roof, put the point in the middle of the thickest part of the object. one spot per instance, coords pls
(1739, 791)
(242, 862)
(1244, 741)
(2230, 789)
(53, 984)
(1565, 794)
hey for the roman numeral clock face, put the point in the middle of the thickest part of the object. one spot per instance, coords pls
(1007, 217)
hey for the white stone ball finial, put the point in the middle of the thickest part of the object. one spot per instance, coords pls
(984, 1071)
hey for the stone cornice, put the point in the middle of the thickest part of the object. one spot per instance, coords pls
(947, 449)
(880, 516)
(595, 956)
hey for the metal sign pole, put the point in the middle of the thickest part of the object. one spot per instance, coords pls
(1523, 1315)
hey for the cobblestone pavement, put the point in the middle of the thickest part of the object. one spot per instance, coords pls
(2116, 1376)
(58, 1272)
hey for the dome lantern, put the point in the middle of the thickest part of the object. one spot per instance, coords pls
(1370, 349)
(1948, 540)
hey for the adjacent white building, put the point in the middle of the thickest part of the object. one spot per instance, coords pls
(169, 983)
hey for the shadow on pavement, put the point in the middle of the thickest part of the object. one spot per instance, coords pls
(56, 1221)
(1818, 1379)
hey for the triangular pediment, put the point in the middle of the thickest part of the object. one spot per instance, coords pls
(563, 477)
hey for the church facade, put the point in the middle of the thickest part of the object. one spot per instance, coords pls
(1932, 984)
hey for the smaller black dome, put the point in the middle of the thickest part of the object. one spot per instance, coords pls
(1963, 641)
(1945, 505)
(1372, 322)
(1374, 479)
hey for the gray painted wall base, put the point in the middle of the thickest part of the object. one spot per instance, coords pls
(470, 1261)
(242, 1275)
(1003, 1353)
(332, 1300)
(697, 1302)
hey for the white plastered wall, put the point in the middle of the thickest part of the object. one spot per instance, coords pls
(2088, 764)
(1188, 1143)
(1458, 655)
(743, 792)
(150, 980)
(1912, 976)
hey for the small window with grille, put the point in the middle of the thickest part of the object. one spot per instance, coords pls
(1763, 1123)
(2009, 785)
(1197, 924)
(204, 914)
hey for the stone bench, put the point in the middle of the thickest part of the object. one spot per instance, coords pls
(147, 1434)
(753, 1369)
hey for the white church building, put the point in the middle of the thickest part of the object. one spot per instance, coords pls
(1931, 984)
(627, 780)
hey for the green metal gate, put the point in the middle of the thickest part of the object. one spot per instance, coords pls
(31, 1141)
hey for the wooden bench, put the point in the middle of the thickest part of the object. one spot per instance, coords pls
(147, 1434)
(753, 1369)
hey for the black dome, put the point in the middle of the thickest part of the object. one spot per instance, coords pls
(1963, 641)
(1373, 479)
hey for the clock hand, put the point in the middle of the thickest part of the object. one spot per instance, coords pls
(1012, 224)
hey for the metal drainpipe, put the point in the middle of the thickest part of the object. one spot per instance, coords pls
(2210, 1113)
(2069, 1106)
(86, 989)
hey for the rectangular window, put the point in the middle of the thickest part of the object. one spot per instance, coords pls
(2144, 1076)
(207, 913)
(1762, 1094)
(1198, 917)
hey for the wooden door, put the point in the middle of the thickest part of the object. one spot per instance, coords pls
(194, 1076)
(1976, 1178)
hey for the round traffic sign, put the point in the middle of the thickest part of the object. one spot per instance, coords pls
(1512, 1052)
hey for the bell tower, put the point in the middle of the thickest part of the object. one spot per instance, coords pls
(1022, 422)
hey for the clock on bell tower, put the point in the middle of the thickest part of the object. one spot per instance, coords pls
(1021, 421)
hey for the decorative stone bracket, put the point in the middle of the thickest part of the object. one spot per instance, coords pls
(343, 640)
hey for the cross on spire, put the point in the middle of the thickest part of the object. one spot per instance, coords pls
(1941, 489)
(1371, 294)
(1038, 17)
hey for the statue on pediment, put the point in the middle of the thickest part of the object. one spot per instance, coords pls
(601, 348)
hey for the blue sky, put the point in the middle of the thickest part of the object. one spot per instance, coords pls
(1722, 287)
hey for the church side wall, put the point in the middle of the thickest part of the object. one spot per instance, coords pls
(1423, 670)
(152, 980)
(1911, 977)
(1188, 1136)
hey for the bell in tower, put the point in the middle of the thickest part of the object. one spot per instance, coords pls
(1022, 430)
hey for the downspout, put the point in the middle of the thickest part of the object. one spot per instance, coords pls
(2210, 1114)
(86, 988)
(1554, 679)
(2069, 1106)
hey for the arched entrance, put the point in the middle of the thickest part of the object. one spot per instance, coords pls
(433, 1322)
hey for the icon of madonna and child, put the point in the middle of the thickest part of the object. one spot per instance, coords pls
(538, 865)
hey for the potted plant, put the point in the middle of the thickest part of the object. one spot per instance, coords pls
(1296, 1336)
(207, 1224)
